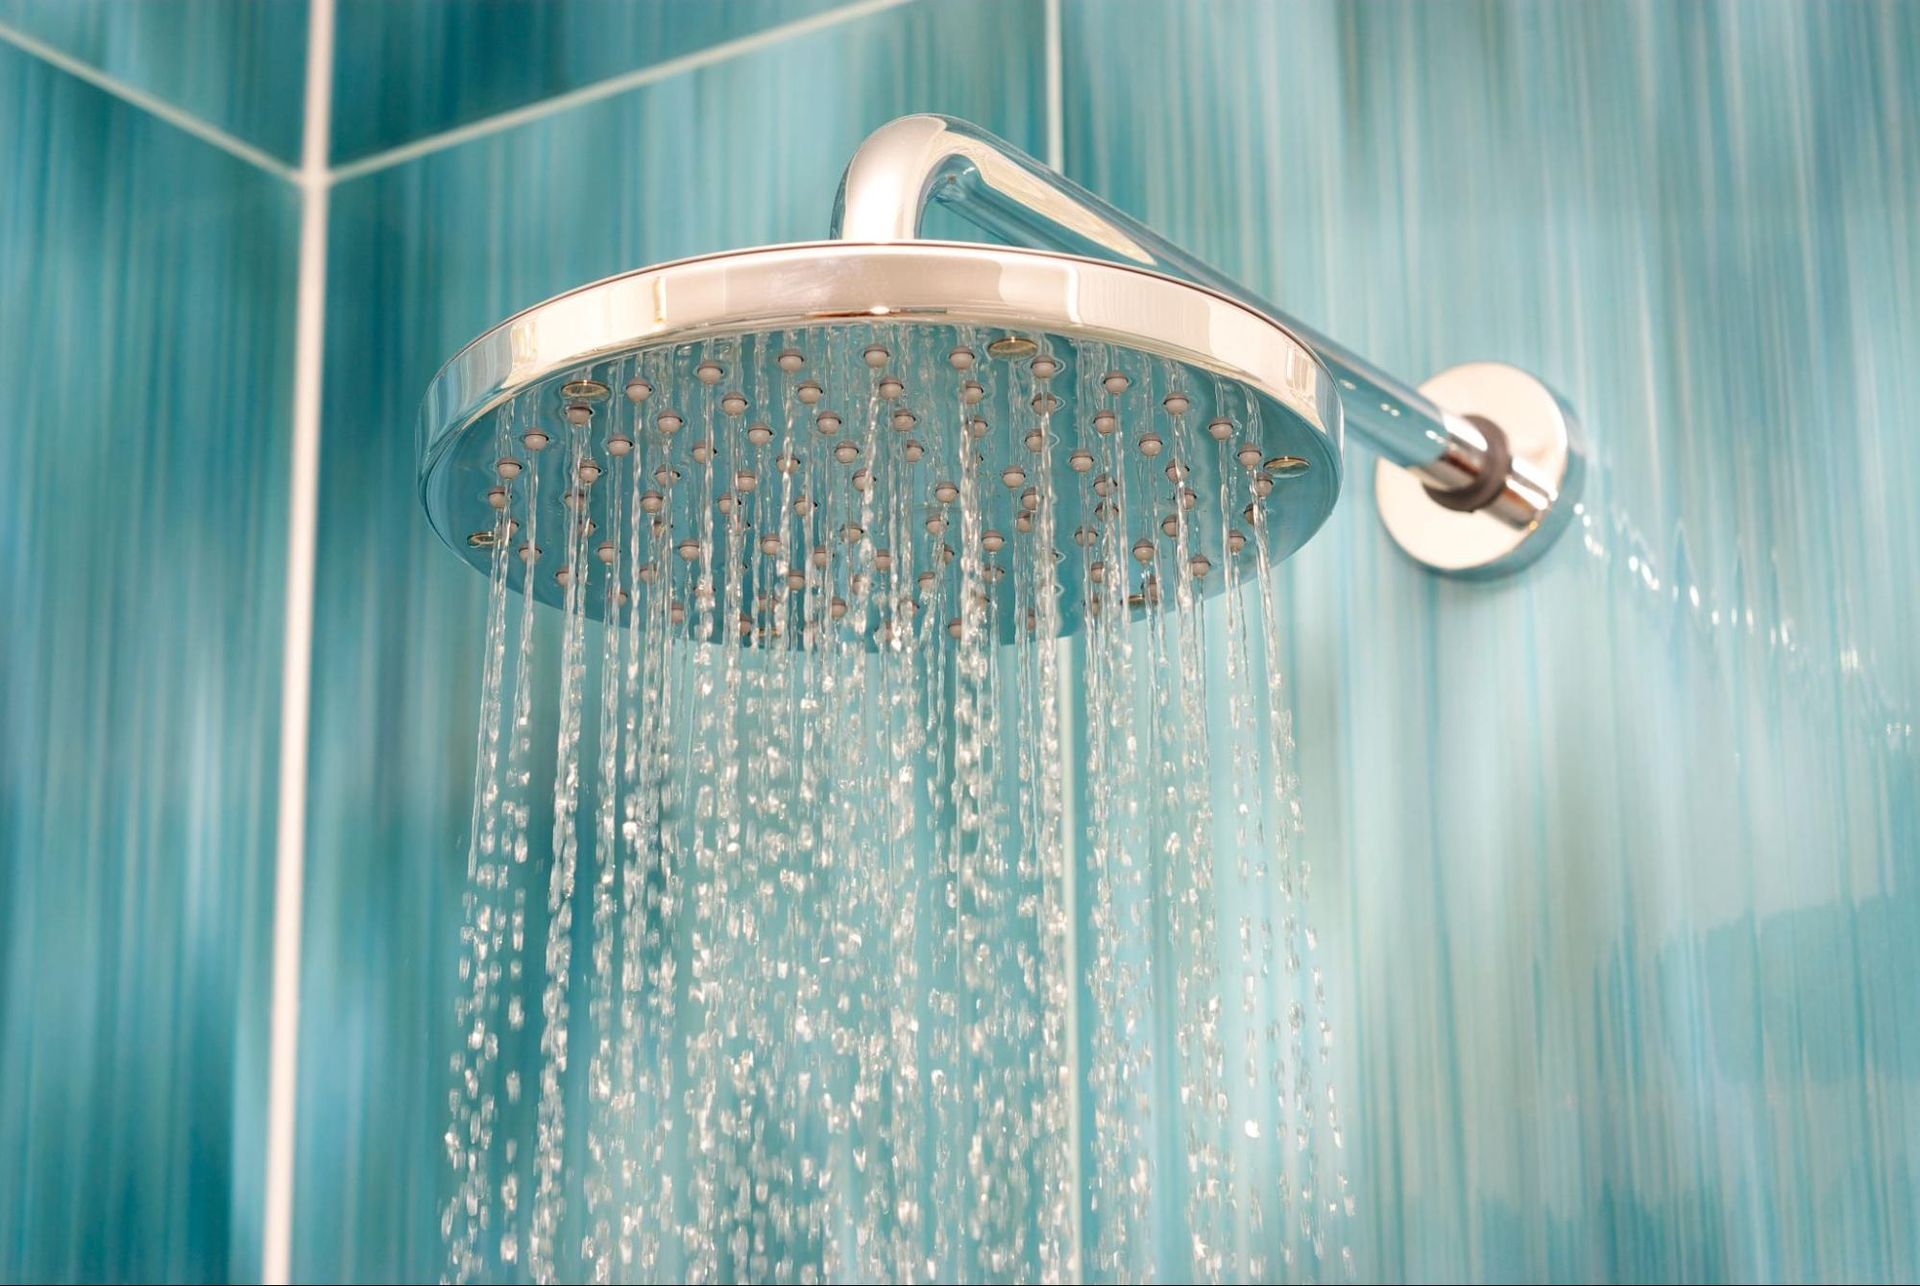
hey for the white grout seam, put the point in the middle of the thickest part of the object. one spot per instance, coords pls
(483, 128)
(296, 679)
(149, 103)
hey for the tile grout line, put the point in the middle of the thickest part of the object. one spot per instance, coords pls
(296, 675)
(152, 104)
(610, 87)
(329, 174)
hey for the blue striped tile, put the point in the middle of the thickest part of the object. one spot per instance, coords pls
(422, 258)
(146, 310)
(1617, 861)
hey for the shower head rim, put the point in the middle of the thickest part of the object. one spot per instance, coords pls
(801, 284)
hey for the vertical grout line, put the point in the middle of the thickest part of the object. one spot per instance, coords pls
(1066, 696)
(296, 681)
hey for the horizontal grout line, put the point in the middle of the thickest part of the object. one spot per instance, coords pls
(184, 120)
(175, 116)
(610, 87)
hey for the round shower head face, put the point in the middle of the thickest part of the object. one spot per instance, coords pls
(870, 440)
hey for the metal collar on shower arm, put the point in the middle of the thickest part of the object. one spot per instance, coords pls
(1479, 468)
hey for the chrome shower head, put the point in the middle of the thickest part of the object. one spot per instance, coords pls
(855, 421)
(852, 433)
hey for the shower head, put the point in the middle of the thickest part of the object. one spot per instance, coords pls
(851, 433)
(833, 411)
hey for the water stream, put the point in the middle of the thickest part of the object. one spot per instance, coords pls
(839, 974)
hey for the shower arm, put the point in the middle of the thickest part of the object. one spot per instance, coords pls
(1461, 460)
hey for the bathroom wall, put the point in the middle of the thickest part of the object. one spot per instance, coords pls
(1615, 863)
(146, 282)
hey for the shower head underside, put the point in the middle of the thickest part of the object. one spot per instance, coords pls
(840, 422)
(880, 433)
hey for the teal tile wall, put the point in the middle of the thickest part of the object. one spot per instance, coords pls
(403, 71)
(146, 312)
(423, 257)
(1618, 861)
(239, 65)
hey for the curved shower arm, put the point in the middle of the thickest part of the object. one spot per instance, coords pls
(913, 161)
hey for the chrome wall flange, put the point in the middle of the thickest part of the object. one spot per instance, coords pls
(1548, 466)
